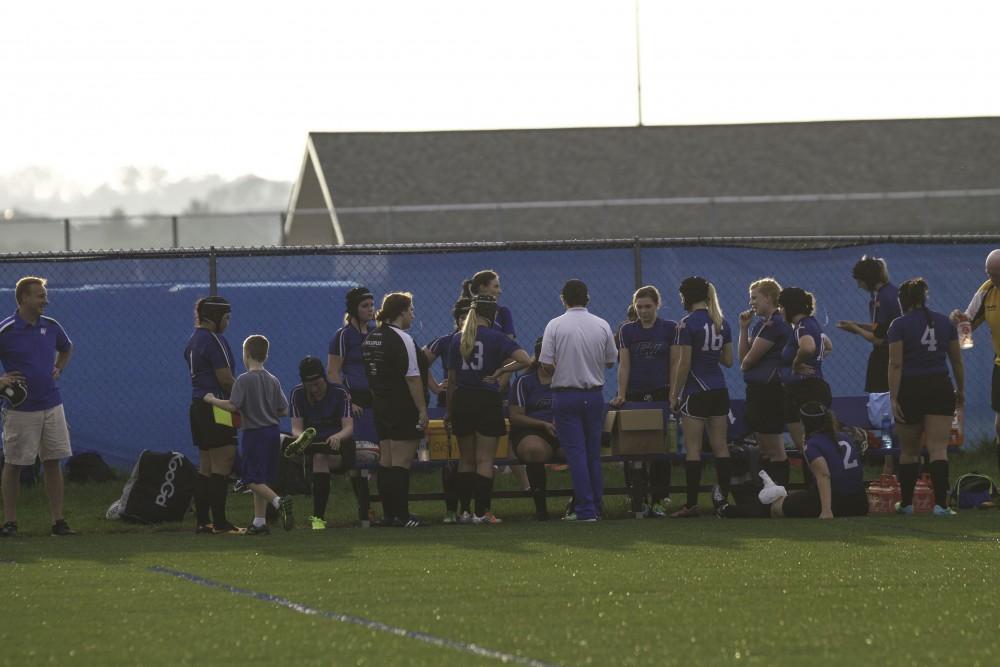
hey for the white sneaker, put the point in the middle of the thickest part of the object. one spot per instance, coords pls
(770, 493)
(465, 518)
(766, 478)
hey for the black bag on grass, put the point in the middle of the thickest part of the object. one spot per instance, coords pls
(160, 488)
(88, 466)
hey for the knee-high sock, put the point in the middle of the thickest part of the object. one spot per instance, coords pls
(202, 502)
(483, 492)
(218, 491)
(536, 477)
(402, 483)
(383, 482)
(692, 471)
(466, 489)
(907, 480)
(939, 478)
(321, 493)
(659, 480)
(778, 470)
(724, 473)
(449, 485)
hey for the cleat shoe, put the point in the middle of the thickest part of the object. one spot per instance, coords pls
(686, 512)
(771, 493)
(450, 518)
(227, 529)
(569, 516)
(239, 486)
(943, 511)
(465, 518)
(9, 529)
(486, 519)
(412, 522)
(62, 529)
(721, 510)
(257, 530)
(297, 446)
(766, 478)
(901, 509)
(317, 523)
(205, 529)
(576, 519)
(285, 510)
(717, 498)
(655, 511)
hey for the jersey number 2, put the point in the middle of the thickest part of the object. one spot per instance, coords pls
(475, 363)
(848, 463)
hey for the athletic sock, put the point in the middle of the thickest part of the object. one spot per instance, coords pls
(402, 483)
(449, 485)
(218, 489)
(692, 471)
(939, 478)
(466, 488)
(259, 521)
(724, 474)
(321, 493)
(778, 470)
(483, 487)
(907, 480)
(202, 504)
(536, 478)
(382, 484)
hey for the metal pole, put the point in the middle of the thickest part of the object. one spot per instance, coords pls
(281, 232)
(66, 234)
(213, 283)
(637, 261)
(174, 232)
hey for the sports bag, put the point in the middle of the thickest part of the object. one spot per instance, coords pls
(159, 489)
(972, 490)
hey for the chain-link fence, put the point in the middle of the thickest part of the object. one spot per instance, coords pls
(130, 313)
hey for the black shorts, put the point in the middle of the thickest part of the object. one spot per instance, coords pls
(799, 393)
(877, 372)
(477, 411)
(995, 396)
(765, 408)
(705, 404)
(928, 395)
(518, 434)
(806, 504)
(205, 433)
(661, 395)
(396, 417)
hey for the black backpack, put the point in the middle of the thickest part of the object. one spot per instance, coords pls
(88, 466)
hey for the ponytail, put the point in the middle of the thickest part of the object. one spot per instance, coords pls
(913, 294)
(469, 329)
(714, 311)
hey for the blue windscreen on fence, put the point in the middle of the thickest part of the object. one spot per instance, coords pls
(127, 386)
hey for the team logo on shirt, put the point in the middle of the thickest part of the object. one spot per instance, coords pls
(43, 330)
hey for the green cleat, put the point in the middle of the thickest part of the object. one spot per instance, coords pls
(317, 523)
(297, 446)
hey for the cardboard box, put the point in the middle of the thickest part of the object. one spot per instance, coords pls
(635, 432)
(440, 448)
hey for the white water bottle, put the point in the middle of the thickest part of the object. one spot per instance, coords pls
(886, 431)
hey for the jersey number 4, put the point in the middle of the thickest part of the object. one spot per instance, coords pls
(929, 340)
(475, 363)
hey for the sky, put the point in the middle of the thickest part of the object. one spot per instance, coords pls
(232, 88)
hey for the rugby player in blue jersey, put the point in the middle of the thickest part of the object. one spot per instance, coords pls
(644, 358)
(921, 343)
(802, 360)
(487, 283)
(698, 388)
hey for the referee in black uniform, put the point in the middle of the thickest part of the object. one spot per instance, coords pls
(399, 404)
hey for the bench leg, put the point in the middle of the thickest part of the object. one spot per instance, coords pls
(638, 493)
(364, 503)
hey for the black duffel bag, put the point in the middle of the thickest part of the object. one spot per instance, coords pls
(159, 489)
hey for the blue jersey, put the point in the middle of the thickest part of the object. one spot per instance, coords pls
(648, 354)
(926, 336)
(775, 330)
(528, 392)
(706, 340)
(504, 321)
(325, 415)
(205, 353)
(884, 308)
(491, 349)
(807, 326)
(31, 349)
(346, 344)
(439, 347)
(843, 460)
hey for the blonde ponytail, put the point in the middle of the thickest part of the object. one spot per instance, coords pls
(469, 329)
(714, 311)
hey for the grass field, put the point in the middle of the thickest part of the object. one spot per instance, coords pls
(881, 590)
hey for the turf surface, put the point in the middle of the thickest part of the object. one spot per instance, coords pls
(889, 590)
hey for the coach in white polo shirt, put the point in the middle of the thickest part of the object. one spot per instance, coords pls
(576, 347)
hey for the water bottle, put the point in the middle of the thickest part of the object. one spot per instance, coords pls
(965, 341)
(886, 431)
(423, 454)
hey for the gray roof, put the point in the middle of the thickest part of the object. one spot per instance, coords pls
(368, 169)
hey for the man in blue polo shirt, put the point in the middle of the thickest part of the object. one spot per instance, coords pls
(37, 348)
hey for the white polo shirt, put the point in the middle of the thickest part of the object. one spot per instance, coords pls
(579, 345)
